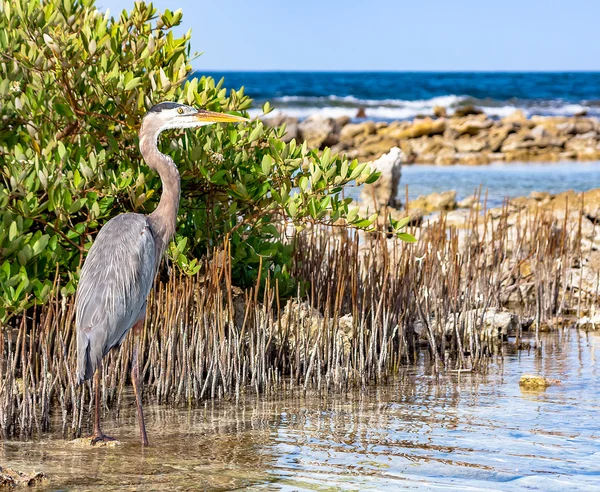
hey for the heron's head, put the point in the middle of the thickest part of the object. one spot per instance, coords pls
(167, 115)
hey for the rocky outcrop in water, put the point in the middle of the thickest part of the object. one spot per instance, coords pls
(384, 191)
(467, 137)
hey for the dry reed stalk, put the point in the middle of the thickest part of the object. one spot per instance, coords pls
(373, 303)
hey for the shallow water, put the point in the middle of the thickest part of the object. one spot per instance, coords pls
(452, 432)
(501, 179)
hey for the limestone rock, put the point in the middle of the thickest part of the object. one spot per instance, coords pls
(517, 116)
(466, 111)
(435, 202)
(317, 131)
(493, 323)
(591, 205)
(589, 323)
(377, 146)
(385, 190)
(10, 478)
(471, 144)
(581, 143)
(471, 126)
(440, 111)
(425, 126)
(86, 442)
(467, 202)
(533, 382)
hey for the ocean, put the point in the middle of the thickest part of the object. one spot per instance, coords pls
(404, 95)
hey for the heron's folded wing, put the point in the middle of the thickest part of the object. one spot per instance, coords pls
(115, 281)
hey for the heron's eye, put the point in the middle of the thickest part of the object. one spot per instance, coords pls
(180, 110)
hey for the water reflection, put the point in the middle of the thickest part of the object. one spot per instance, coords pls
(453, 431)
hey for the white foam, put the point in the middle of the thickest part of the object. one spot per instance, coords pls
(333, 106)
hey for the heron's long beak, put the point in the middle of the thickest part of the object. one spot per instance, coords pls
(213, 117)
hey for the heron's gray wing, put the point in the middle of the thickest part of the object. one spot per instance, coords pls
(115, 281)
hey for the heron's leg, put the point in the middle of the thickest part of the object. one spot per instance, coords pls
(135, 378)
(98, 436)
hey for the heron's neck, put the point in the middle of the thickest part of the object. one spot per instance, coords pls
(164, 219)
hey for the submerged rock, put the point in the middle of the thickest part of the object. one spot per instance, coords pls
(11, 478)
(531, 381)
(86, 442)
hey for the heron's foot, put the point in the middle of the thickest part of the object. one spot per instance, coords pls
(100, 437)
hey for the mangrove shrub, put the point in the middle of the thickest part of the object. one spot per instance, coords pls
(74, 84)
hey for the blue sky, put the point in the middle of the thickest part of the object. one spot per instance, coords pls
(390, 34)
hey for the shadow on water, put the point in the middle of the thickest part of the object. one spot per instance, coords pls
(462, 431)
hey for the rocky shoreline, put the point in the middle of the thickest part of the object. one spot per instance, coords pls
(570, 214)
(466, 137)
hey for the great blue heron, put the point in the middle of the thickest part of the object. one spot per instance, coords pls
(121, 265)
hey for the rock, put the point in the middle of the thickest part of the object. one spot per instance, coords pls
(584, 126)
(424, 127)
(471, 144)
(471, 126)
(530, 381)
(498, 134)
(376, 146)
(318, 131)
(384, 191)
(496, 156)
(467, 202)
(340, 147)
(582, 143)
(361, 113)
(340, 122)
(440, 111)
(575, 126)
(279, 119)
(492, 324)
(589, 323)
(466, 111)
(86, 442)
(591, 205)
(11, 478)
(445, 156)
(457, 218)
(540, 196)
(435, 202)
(472, 158)
(584, 280)
(291, 132)
(517, 141)
(517, 116)
(351, 130)
(300, 319)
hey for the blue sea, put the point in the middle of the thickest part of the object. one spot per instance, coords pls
(403, 95)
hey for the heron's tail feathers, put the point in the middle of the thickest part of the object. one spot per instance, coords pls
(86, 363)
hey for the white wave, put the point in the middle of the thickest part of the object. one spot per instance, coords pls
(446, 101)
(333, 106)
(378, 113)
(559, 110)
